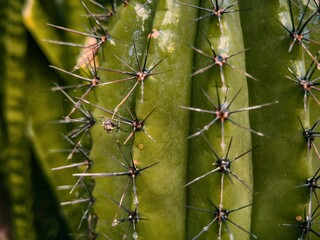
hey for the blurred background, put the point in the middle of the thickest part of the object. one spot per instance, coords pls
(31, 141)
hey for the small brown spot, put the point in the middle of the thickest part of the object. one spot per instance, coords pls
(299, 218)
(140, 146)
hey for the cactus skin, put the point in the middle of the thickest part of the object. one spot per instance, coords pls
(274, 169)
(226, 39)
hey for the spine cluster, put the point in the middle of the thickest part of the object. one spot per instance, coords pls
(299, 30)
(81, 119)
(225, 83)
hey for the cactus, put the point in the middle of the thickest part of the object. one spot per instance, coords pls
(167, 120)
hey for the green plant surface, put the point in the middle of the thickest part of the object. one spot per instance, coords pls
(171, 156)
(221, 189)
(15, 154)
(42, 130)
(277, 170)
(169, 173)
(37, 14)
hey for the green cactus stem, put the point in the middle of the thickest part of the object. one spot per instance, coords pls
(183, 119)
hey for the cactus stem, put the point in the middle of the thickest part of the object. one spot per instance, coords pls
(133, 217)
(309, 135)
(93, 82)
(216, 10)
(86, 122)
(297, 33)
(222, 165)
(136, 123)
(104, 17)
(222, 113)
(140, 74)
(219, 60)
(306, 225)
(222, 216)
(305, 82)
